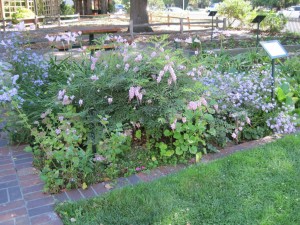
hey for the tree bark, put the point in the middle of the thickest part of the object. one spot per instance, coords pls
(103, 6)
(139, 15)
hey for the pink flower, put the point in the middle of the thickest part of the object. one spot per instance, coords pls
(126, 68)
(93, 66)
(153, 54)
(183, 119)
(138, 58)
(203, 101)
(109, 100)
(131, 93)
(94, 78)
(61, 94)
(138, 169)
(66, 100)
(192, 105)
(51, 39)
(158, 79)
(80, 102)
(172, 72)
(169, 81)
(94, 59)
(248, 120)
(234, 135)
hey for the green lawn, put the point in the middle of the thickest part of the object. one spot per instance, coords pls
(259, 186)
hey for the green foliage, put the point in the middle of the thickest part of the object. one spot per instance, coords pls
(60, 150)
(274, 22)
(66, 9)
(234, 10)
(22, 13)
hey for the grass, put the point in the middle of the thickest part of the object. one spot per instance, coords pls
(260, 186)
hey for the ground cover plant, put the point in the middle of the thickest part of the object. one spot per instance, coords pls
(260, 186)
(118, 112)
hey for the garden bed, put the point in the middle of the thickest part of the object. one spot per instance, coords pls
(120, 112)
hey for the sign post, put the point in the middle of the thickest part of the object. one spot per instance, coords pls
(275, 50)
(258, 20)
(212, 14)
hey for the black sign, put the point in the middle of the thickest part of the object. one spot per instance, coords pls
(258, 19)
(212, 13)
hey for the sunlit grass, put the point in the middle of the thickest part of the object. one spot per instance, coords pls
(260, 186)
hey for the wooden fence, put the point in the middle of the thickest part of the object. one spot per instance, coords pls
(182, 23)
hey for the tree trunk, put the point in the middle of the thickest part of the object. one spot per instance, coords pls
(103, 6)
(139, 15)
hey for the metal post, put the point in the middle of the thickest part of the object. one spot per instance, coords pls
(3, 21)
(212, 28)
(181, 25)
(257, 35)
(36, 14)
(273, 78)
(224, 23)
(131, 28)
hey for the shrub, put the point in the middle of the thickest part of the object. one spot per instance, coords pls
(128, 110)
(22, 13)
(274, 22)
(234, 10)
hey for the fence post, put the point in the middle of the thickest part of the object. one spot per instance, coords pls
(224, 24)
(59, 23)
(150, 17)
(3, 21)
(168, 20)
(217, 22)
(188, 19)
(181, 25)
(131, 28)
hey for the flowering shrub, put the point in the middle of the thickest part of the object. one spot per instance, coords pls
(128, 110)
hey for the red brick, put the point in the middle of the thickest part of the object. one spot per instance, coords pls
(8, 215)
(35, 195)
(4, 173)
(122, 182)
(29, 183)
(8, 178)
(5, 161)
(61, 197)
(88, 193)
(99, 188)
(35, 188)
(8, 222)
(74, 195)
(165, 170)
(12, 205)
(9, 184)
(23, 165)
(14, 193)
(28, 177)
(45, 218)
(152, 175)
(4, 151)
(3, 196)
(41, 210)
(27, 159)
(22, 220)
(134, 179)
(9, 166)
(40, 202)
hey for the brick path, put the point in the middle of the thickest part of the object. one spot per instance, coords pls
(22, 201)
